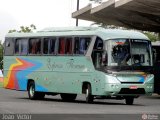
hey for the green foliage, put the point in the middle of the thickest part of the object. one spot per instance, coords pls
(24, 29)
(152, 36)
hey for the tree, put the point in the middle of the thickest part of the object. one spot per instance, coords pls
(152, 36)
(24, 29)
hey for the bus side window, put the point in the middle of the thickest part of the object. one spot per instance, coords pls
(24, 46)
(81, 45)
(84, 43)
(21, 46)
(68, 46)
(9, 46)
(17, 47)
(76, 45)
(49, 46)
(52, 46)
(34, 46)
(45, 46)
(61, 46)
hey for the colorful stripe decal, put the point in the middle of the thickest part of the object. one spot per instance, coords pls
(17, 76)
(142, 77)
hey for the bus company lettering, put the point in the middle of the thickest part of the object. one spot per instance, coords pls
(71, 64)
(52, 66)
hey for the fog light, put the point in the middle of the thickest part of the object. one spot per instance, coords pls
(149, 76)
(149, 86)
(114, 86)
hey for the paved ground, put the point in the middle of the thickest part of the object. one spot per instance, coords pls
(17, 102)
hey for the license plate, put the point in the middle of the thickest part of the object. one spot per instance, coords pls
(133, 87)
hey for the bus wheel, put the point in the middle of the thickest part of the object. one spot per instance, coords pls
(68, 97)
(33, 95)
(129, 100)
(89, 96)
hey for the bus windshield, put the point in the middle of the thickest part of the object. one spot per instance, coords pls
(125, 52)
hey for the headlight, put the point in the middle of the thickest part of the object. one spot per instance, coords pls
(149, 76)
(149, 86)
(114, 86)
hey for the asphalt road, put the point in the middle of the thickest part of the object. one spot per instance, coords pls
(13, 102)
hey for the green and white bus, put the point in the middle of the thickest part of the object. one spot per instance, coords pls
(97, 62)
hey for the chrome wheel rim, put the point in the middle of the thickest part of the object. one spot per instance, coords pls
(31, 91)
(87, 93)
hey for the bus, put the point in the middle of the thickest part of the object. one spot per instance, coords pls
(156, 70)
(96, 62)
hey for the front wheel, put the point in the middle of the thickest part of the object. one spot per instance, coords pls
(33, 95)
(89, 96)
(129, 100)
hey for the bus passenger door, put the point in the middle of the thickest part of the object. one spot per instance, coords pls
(97, 53)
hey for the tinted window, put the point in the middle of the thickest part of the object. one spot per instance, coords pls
(98, 44)
(68, 46)
(9, 46)
(24, 47)
(34, 46)
(61, 49)
(49, 46)
(17, 47)
(21, 46)
(81, 45)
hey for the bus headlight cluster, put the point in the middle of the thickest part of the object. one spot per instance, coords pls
(149, 86)
(114, 86)
(149, 76)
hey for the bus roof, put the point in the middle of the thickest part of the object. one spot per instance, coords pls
(71, 31)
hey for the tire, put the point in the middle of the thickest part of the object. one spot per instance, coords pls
(129, 100)
(89, 96)
(68, 97)
(33, 95)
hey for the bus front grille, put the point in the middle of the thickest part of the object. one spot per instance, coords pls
(132, 91)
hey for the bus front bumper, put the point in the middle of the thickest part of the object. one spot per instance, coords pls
(128, 89)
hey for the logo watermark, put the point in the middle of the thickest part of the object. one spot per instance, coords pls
(16, 117)
(150, 117)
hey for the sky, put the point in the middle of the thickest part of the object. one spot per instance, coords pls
(41, 13)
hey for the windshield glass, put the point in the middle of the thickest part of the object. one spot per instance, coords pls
(124, 52)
